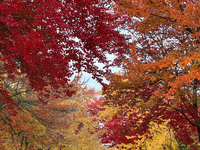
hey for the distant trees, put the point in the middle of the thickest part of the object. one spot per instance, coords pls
(63, 123)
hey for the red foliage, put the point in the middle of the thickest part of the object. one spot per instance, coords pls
(137, 122)
(49, 40)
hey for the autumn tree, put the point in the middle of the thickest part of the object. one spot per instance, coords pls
(128, 127)
(64, 123)
(17, 123)
(162, 75)
(161, 137)
(48, 40)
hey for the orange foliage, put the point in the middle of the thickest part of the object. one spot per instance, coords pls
(165, 57)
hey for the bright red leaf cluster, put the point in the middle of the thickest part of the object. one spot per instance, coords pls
(48, 40)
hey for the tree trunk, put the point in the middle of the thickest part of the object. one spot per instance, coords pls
(197, 121)
(194, 99)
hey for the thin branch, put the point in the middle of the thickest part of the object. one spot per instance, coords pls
(19, 17)
(183, 115)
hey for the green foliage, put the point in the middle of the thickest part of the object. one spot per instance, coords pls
(183, 146)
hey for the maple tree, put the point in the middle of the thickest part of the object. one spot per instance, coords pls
(48, 40)
(127, 127)
(162, 75)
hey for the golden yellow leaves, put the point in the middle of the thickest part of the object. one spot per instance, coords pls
(162, 136)
(125, 80)
(108, 112)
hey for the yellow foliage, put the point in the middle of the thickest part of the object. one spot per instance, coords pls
(162, 139)
(108, 112)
